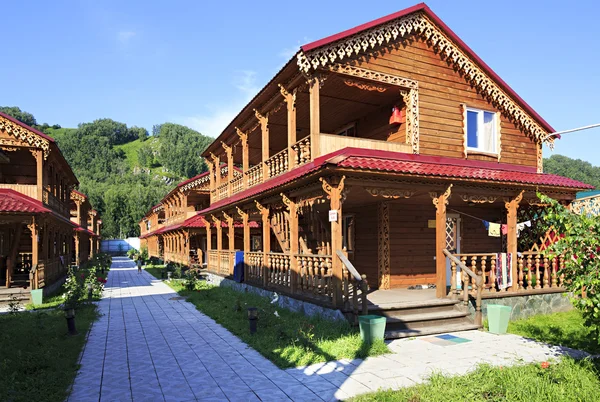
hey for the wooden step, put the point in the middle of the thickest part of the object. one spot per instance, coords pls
(432, 330)
(429, 316)
(416, 306)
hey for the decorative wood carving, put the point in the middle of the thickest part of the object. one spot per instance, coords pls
(288, 95)
(389, 192)
(227, 149)
(262, 209)
(365, 86)
(25, 135)
(228, 218)
(383, 245)
(587, 206)
(540, 158)
(241, 212)
(441, 208)
(243, 136)
(508, 202)
(262, 119)
(478, 199)
(419, 24)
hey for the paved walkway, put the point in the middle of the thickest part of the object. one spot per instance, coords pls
(148, 346)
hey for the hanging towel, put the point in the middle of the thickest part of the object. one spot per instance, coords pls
(494, 229)
(503, 270)
(505, 229)
(521, 226)
(486, 224)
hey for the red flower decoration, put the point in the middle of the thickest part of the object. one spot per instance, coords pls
(545, 365)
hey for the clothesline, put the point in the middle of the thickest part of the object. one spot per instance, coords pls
(470, 216)
(494, 229)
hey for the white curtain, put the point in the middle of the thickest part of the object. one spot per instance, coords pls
(487, 140)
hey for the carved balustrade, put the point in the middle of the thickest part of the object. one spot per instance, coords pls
(278, 274)
(302, 151)
(222, 191)
(213, 260)
(278, 163)
(537, 271)
(255, 175)
(54, 203)
(237, 185)
(315, 279)
(254, 268)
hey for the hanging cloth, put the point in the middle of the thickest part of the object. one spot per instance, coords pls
(503, 270)
(504, 230)
(521, 226)
(494, 230)
(486, 224)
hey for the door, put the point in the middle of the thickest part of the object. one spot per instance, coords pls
(452, 245)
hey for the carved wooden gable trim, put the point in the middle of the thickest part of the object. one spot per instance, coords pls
(24, 136)
(419, 24)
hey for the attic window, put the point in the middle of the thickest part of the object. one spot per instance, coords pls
(481, 131)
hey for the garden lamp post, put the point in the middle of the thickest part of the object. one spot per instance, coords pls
(252, 319)
(70, 316)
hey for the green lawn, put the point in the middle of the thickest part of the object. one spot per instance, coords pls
(38, 359)
(563, 329)
(566, 381)
(290, 340)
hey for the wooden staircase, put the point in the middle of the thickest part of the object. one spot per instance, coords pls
(281, 229)
(419, 318)
(14, 294)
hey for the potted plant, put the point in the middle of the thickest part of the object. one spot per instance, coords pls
(74, 291)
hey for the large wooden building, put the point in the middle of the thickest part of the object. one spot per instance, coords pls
(40, 221)
(380, 154)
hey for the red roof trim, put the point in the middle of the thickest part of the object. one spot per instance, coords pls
(80, 193)
(13, 201)
(423, 7)
(20, 123)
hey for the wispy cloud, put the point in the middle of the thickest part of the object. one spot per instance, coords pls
(124, 37)
(216, 117)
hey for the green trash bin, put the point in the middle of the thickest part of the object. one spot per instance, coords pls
(372, 327)
(37, 297)
(498, 317)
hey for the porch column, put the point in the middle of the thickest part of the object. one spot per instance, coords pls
(211, 178)
(290, 100)
(34, 228)
(335, 197)
(383, 244)
(440, 202)
(77, 258)
(314, 85)
(293, 220)
(217, 222)
(511, 238)
(39, 160)
(217, 163)
(264, 212)
(231, 238)
(229, 152)
(264, 129)
(13, 253)
(246, 225)
(245, 161)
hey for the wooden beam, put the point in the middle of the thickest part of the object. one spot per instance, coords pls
(229, 152)
(39, 159)
(245, 156)
(440, 201)
(512, 205)
(335, 197)
(246, 225)
(315, 116)
(293, 221)
(217, 163)
(290, 99)
(264, 212)
(211, 178)
(264, 129)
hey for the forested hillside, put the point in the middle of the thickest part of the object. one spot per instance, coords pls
(122, 169)
(573, 168)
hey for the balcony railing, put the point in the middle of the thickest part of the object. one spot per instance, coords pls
(55, 204)
(29, 190)
(237, 185)
(302, 151)
(222, 191)
(255, 175)
(278, 163)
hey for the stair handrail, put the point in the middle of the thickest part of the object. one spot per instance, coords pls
(360, 279)
(33, 277)
(478, 279)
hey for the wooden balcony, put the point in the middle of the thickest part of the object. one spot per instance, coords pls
(29, 190)
(329, 143)
(57, 205)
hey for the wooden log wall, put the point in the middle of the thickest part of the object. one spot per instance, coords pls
(441, 92)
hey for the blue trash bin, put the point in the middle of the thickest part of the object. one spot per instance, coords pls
(238, 267)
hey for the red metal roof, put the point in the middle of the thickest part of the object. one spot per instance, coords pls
(421, 165)
(85, 230)
(13, 201)
(423, 7)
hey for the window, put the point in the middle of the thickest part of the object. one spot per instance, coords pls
(481, 131)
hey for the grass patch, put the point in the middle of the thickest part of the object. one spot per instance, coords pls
(290, 340)
(563, 329)
(38, 359)
(566, 380)
(155, 270)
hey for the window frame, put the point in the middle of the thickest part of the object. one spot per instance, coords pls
(480, 122)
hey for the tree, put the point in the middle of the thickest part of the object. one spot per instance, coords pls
(138, 133)
(579, 244)
(574, 168)
(180, 149)
(116, 133)
(145, 156)
(21, 115)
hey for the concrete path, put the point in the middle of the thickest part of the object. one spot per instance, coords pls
(149, 346)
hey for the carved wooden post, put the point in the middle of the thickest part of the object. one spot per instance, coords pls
(314, 85)
(511, 220)
(246, 225)
(211, 179)
(264, 129)
(231, 238)
(208, 243)
(290, 100)
(245, 158)
(293, 212)
(217, 163)
(264, 212)
(440, 203)
(39, 160)
(335, 201)
(229, 152)
(34, 228)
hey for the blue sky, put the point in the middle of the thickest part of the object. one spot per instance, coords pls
(198, 62)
